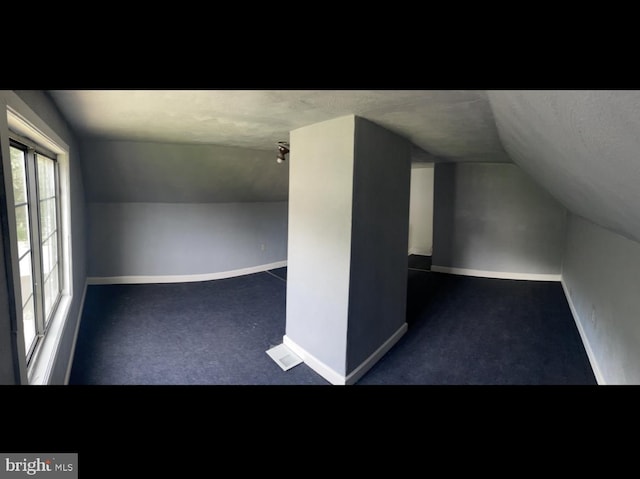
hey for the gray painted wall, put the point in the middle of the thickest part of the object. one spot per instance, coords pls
(346, 288)
(41, 104)
(175, 209)
(493, 217)
(146, 172)
(601, 272)
(132, 239)
(379, 238)
(319, 247)
(8, 374)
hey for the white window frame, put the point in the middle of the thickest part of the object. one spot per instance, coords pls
(31, 157)
(20, 119)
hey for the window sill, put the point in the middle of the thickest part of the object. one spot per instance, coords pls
(44, 357)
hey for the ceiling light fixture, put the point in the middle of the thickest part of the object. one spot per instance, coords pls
(283, 149)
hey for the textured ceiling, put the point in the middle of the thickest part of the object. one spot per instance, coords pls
(582, 146)
(443, 125)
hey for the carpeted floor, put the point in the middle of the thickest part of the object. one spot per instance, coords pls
(213, 332)
(419, 262)
(462, 330)
(466, 330)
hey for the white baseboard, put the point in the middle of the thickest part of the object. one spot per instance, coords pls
(587, 346)
(496, 274)
(314, 363)
(368, 363)
(185, 278)
(421, 252)
(75, 333)
(336, 378)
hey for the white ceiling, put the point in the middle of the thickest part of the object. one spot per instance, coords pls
(444, 125)
(582, 146)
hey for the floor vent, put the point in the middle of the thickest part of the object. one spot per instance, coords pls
(284, 357)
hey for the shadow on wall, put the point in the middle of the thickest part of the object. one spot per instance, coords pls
(107, 236)
(493, 217)
(422, 290)
(444, 208)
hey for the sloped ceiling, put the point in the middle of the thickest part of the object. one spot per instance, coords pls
(443, 125)
(582, 146)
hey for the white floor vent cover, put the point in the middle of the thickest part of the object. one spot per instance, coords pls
(284, 357)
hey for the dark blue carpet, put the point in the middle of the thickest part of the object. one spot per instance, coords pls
(280, 273)
(466, 330)
(421, 262)
(462, 330)
(213, 332)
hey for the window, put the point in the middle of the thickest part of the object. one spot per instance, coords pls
(37, 211)
(35, 205)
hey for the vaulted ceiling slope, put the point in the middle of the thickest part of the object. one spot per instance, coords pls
(582, 146)
(443, 125)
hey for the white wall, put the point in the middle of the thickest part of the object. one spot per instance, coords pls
(421, 209)
(321, 167)
(601, 277)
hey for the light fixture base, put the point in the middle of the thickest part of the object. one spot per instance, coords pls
(283, 149)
